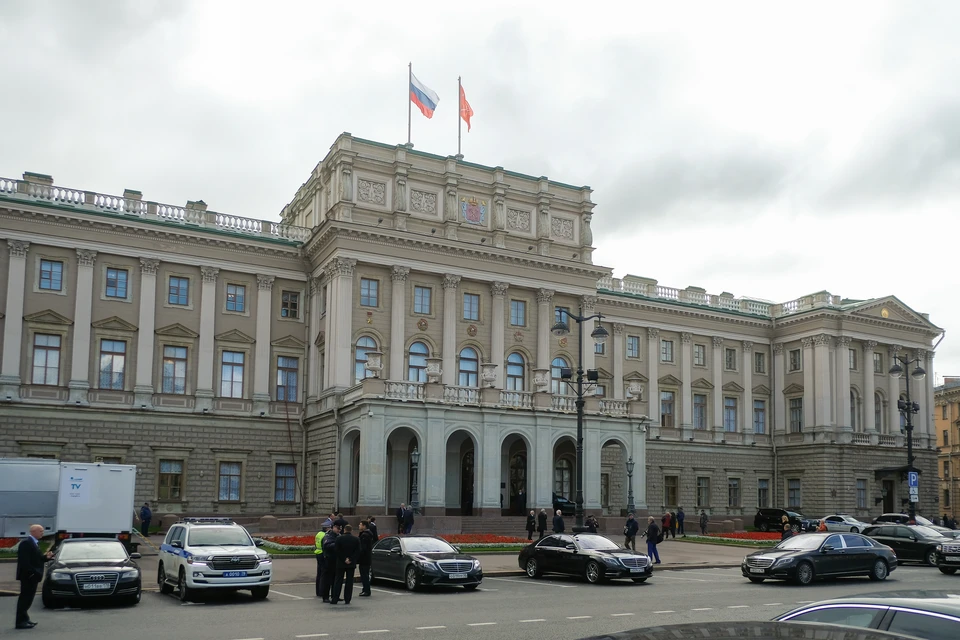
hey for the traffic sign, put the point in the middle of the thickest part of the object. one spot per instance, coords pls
(914, 497)
(913, 479)
(914, 491)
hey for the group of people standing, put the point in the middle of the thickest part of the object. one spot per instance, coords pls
(339, 553)
(538, 522)
(404, 519)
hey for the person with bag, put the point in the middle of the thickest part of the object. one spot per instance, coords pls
(531, 525)
(653, 537)
(630, 530)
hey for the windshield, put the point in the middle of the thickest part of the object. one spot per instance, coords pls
(926, 532)
(800, 543)
(595, 542)
(923, 521)
(219, 537)
(794, 514)
(427, 545)
(75, 551)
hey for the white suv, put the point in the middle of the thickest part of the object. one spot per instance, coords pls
(212, 553)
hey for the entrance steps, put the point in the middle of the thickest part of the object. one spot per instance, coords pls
(514, 526)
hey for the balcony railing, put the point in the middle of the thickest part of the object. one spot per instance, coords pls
(516, 399)
(861, 438)
(404, 390)
(461, 395)
(887, 439)
(613, 407)
(564, 403)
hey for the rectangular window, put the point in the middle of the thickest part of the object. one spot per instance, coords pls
(231, 374)
(699, 355)
(796, 415)
(666, 408)
(116, 283)
(699, 411)
(852, 357)
(601, 391)
(633, 346)
(733, 492)
(793, 493)
(289, 304)
(113, 357)
(179, 293)
(666, 351)
(763, 493)
(285, 488)
(599, 348)
(946, 468)
(730, 415)
(174, 370)
(561, 314)
(943, 415)
(760, 416)
(51, 275)
(236, 298)
(518, 313)
(946, 497)
(671, 490)
(730, 359)
(471, 307)
(369, 292)
(46, 359)
(703, 491)
(422, 300)
(759, 362)
(861, 494)
(795, 362)
(877, 362)
(170, 480)
(287, 372)
(229, 482)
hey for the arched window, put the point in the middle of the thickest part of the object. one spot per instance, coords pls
(364, 345)
(417, 362)
(853, 410)
(469, 368)
(563, 478)
(878, 412)
(556, 384)
(515, 372)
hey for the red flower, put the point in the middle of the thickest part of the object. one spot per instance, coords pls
(747, 535)
(6, 543)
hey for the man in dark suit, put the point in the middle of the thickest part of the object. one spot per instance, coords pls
(400, 513)
(348, 555)
(408, 520)
(329, 561)
(30, 563)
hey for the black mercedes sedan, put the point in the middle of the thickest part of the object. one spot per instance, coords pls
(910, 542)
(592, 556)
(417, 560)
(804, 558)
(91, 570)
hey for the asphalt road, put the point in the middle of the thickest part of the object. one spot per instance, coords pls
(504, 607)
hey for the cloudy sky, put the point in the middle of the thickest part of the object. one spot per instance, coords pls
(735, 146)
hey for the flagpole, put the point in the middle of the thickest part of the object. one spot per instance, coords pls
(409, 101)
(459, 114)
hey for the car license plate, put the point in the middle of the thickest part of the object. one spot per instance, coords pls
(234, 574)
(635, 570)
(953, 558)
(458, 576)
(96, 586)
(757, 570)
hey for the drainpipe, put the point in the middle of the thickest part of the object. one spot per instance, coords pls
(336, 453)
(301, 419)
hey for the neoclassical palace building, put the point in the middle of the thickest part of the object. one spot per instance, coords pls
(389, 339)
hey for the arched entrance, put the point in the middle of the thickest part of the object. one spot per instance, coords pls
(349, 485)
(514, 471)
(461, 479)
(613, 478)
(565, 469)
(400, 444)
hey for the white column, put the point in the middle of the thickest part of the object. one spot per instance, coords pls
(261, 358)
(588, 305)
(498, 290)
(13, 324)
(341, 341)
(544, 324)
(747, 410)
(781, 421)
(83, 310)
(717, 366)
(809, 407)
(927, 403)
(329, 326)
(143, 390)
(490, 478)
(398, 313)
(869, 402)
(653, 373)
(824, 390)
(205, 343)
(843, 384)
(542, 467)
(449, 345)
(372, 488)
(893, 392)
(313, 364)
(432, 476)
(591, 469)
(618, 355)
(686, 378)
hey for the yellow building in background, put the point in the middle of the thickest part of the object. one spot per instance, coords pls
(947, 427)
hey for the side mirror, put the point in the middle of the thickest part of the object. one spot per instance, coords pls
(913, 538)
(135, 556)
(571, 546)
(826, 547)
(176, 544)
(395, 551)
(258, 543)
(457, 549)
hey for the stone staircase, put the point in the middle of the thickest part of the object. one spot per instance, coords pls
(501, 526)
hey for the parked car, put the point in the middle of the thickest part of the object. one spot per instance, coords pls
(417, 560)
(565, 506)
(592, 556)
(772, 519)
(91, 570)
(931, 615)
(818, 555)
(948, 557)
(844, 522)
(757, 630)
(901, 518)
(911, 543)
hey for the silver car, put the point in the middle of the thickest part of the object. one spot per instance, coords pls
(845, 523)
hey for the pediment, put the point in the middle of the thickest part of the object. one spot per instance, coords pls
(793, 388)
(896, 311)
(670, 380)
(636, 375)
(701, 383)
(288, 342)
(48, 316)
(733, 386)
(113, 323)
(234, 336)
(177, 330)
(761, 390)
(603, 373)
(321, 338)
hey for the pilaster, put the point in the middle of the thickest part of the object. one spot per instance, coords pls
(844, 408)
(79, 382)
(686, 378)
(746, 412)
(893, 392)
(261, 378)
(588, 306)
(448, 374)
(618, 355)
(544, 323)
(780, 423)
(341, 374)
(143, 389)
(13, 325)
(498, 290)
(869, 397)
(717, 395)
(809, 390)
(653, 373)
(313, 384)
(398, 314)
(205, 348)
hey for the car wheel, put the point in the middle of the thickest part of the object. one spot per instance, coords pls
(49, 602)
(162, 583)
(946, 570)
(183, 588)
(134, 599)
(854, 530)
(764, 527)
(533, 568)
(879, 571)
(756, 580)
(259, 593)
(640, 580)
(593, 573)
(412, 581)
(931, 557)
(805, 573)
(470, 587)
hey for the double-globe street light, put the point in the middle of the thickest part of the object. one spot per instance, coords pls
(908, 408)
(599, 335)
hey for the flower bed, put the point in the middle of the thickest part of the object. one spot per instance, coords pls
(747, 535)
(8, 543)
(306, 543)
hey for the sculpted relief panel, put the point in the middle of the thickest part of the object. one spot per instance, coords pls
(372, 192)
(423, 202)
(518, 220)
(562, 228)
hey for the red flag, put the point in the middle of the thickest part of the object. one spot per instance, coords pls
(466, 112)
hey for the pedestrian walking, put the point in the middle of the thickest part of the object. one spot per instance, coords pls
(630, 530)
(408, 519)
(704, 520)
(558, 522)
(367, 540)
(531, 525)
(665, 525)
(402, 510)
(653, 537)
(30, 563)
(318, 552)
(542, 523)
(787, 529)
(146, 515)
(329, 561)
(673, 525)
(680, 518)
(348, 556)
(592, 524)
(372, 526)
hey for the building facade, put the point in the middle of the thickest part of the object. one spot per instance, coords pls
(390, 339)
(947, 425)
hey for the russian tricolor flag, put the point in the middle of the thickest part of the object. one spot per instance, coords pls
(425, 98)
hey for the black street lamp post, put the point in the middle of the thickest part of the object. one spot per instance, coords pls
(908, 408)
(599, 335)
(414, 494)
(630, 505)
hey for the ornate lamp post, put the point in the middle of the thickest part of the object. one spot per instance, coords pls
(599, 335)
(908, 408)
(414, 494)
(630, 506)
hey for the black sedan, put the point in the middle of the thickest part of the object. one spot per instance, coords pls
(592, 556)
(806, 557)
(913, 543)
(948, 557)
(417, 560)
(563, 505)
(91, 570)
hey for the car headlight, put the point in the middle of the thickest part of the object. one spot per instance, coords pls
(613, 562)
(265, 558)
(476, 564)
(61, 576)
(427, 566)
(940, 548)
(130, 571)
(782, 562)
(199, 559)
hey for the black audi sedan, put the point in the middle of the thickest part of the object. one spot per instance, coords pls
(91, 570)
(417, 560)
(592, 556)
(909, 542)
(806, 557)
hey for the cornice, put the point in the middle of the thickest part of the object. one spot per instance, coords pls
(847, 317)
(684, 311)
